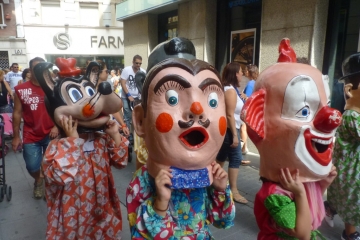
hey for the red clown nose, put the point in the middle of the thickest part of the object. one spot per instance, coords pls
(327, 119)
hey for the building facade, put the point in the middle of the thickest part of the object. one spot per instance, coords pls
(85, 30)
(247, 31)
(12, 48)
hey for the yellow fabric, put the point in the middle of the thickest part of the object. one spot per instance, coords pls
(140, 149)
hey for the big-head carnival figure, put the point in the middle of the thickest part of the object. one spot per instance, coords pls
(181, 189)
(80, 191)
(292, 126)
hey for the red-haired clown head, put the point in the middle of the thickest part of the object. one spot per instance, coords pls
(289, 119)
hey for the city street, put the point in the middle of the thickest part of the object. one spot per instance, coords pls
(25, 217)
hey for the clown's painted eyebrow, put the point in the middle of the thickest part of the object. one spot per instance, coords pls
(207, 82)
(172, 78)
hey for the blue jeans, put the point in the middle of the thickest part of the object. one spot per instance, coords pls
(127, 112)
(234, 154)
(33, 154)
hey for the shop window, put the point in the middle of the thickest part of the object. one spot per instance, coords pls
(167, 25)
(51, 13)
(4, 59)
(89, 15)
(2, 22)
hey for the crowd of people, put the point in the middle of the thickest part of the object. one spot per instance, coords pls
(52, 151)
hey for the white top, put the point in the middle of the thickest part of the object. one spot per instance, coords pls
(13, 79)
(128, 74)
(238, 108)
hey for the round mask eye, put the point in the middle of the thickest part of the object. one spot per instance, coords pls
(303, 113)
(74, 94)
(213, 100)
(172, 97)
(89, 90)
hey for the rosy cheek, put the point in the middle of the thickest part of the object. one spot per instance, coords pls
(222, 126)
(164, 122)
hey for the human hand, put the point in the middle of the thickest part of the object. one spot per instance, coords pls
(16, 143)
(111, 128)
(243, 96)
(291, 182)
(325, 183)
(235, 142)
(220, 177)
(126, 131)
(131, 99)
(163, 183)
(54, 132)
(69, 126)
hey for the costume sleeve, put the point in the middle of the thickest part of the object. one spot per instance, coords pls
(220, 208)
(144, 222)
(352, 122)
(61, 160)
(282, 209)
(118, 155)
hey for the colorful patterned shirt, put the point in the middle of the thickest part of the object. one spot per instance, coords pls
(80, 190)
(188, 217)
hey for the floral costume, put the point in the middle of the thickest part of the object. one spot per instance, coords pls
(80, 191)
(275, 211)
(189, 214)
(344, 192)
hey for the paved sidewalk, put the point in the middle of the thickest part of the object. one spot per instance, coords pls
(25, 218)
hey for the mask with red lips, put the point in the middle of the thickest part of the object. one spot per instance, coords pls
(289, 119)
(182, 114)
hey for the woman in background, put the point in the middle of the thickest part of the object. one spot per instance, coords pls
(26, 75)
(230, 148)
(103, 76)
(5, 92)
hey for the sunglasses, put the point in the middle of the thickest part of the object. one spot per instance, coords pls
(15, 67)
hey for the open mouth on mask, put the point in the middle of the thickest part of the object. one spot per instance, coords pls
(319, 147)
(194, 137)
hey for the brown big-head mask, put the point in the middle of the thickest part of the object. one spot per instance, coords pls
(77, 95)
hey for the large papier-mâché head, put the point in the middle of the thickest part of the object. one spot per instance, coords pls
(182, 114)
(77, 95)
(289, 119)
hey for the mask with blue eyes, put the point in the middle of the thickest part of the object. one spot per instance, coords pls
(77, 95)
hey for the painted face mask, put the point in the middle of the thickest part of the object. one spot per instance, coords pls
(289, 119)
(77, 95)
(182, 114)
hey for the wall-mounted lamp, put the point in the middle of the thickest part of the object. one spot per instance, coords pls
(107, 25)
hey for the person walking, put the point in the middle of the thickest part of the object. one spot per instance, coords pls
(26, 75)
(129, 90)
(38, 127)
(5, 92)
(14, 76)
(231, 148)
(344, 193)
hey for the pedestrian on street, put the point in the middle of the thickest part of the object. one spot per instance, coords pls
(129, 90)
(344, 193)
(38, 126)
(231, 147)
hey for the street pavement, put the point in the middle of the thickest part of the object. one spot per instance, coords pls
(25, 217)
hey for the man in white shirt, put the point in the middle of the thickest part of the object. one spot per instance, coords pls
(14, 76)
(129, 90)
(114, 79)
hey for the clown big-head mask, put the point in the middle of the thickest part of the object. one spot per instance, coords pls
(182, 114)
(289, 119)
(77, 95)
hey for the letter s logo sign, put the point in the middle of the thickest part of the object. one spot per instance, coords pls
(62, 41)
